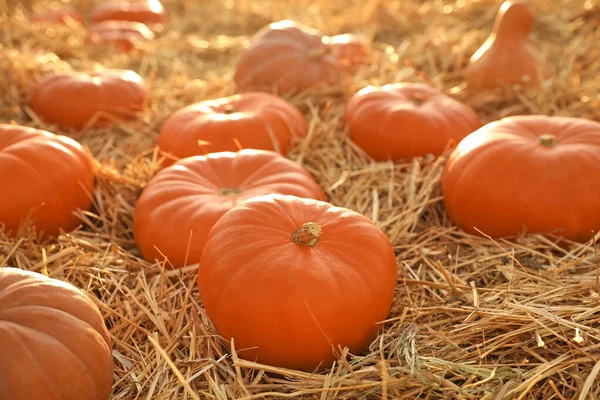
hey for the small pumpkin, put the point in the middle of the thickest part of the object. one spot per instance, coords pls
(53, 340)
(506, 58)
(352, 51)
(45, 178)
(535, 173)
(253, 120)
(61, 14)
(147, 12)
(305, 278)
(93, 98)
(405, 120)
(125, 35)
(287, 56)
(186, 199)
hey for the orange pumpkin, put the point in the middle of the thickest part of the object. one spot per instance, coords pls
(186, 199)
(93, 98)
(406, 120)
(535, 173)
(148, 12)
(352, 51)
(506, 58)
(53, 341)
(45, 178)
(61, 14)
(124, 35)
(251, 120)
(287, 56)
(291, 279)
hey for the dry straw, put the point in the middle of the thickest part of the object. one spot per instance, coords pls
(473, 318)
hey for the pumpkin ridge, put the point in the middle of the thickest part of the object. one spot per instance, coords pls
(35, 362)
(63, 345)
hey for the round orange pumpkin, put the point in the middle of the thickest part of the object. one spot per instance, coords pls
(98, 96)
(291, 279)
(535, 173)
(124, 35)
(251, 120)
(181, 203)
(61, 14)
(53, 341)
(44, 178)
(405, 120)
(506, 57)
(352, 51)
(287, 56)
(147, 12)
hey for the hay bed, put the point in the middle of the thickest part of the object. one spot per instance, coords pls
(473, 318)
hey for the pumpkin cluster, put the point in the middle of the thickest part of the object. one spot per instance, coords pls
(230, 201)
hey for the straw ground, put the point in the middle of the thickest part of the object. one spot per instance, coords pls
(473, 318)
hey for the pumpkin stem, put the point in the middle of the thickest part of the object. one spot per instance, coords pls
(314, 53)
(417, 100)
(228, 109)
(307, 235)
(547, 140)
(230, 191)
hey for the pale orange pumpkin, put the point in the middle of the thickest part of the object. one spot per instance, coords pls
(182, 202)
(253, 120)
(53, 341)
(124, 35)
(286, 56)
(506, 58)
(405, 120)
(147, 12)
(75, 99)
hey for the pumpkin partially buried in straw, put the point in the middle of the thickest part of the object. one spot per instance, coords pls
(124, 35)
(53, 341)
(45, 178)
(535, 174)
(181, 203)
(351, 51)
(506, 58)
(405, 120)
(289, 57)
(253, 120)
(147, 12)
(291, 279)
(89, 98)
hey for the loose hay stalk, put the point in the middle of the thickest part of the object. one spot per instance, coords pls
(473, 318)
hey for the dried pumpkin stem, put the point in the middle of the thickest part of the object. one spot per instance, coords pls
(228, 109)
(547, 140)
(307, 235)
(417, 100)
(230, 191)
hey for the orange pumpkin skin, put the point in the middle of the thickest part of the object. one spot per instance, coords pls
(506, 57)
(46, 178)
(508, 176)
(352, 51)
(83, 96)
(147, 12)
(53, 341)
(405, 120)
(181, 203)
(253, 120)
(65, 15)
(287, 56)
(124, 35)
(286, 304)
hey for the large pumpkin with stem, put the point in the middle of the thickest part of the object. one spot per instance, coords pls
(405, 120)
(536, 174)
(253, 120)
(89, 98)
(291, 280)
(182, 202)
(506, 58)
(124, 35)
(148, 12)
(286, 56)
(45, 178)
(53, 341)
